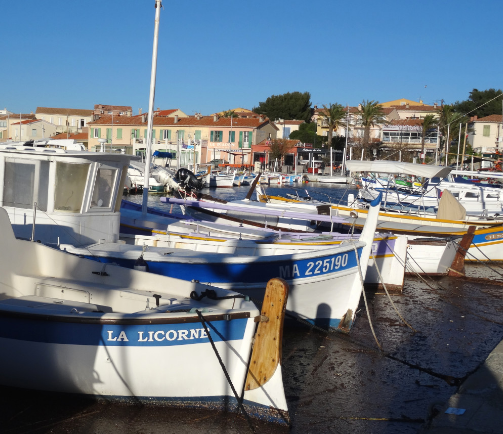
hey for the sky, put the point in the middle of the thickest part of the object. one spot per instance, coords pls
(219, 55)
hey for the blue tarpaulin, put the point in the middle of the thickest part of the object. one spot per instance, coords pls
(160, 154)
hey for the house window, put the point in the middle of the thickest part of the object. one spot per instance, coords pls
(97, 132)
(180, 134)
(246, 136)
(487, 130)
(52, 120)
(216, 136)
(82, 123)
(165, 134)
(73, 122)
(59, 121)
(34, 132)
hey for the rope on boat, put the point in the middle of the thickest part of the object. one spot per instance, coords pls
(365, 297)
(239, 400)
(478, 260)
(389, 297)
(413, 271)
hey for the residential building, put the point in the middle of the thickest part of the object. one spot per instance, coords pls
(78, 137)
(286, 127)
(116, 110)
(229, 139)
(32, 129)
(65, 120)
(261, 153)
(414, 111)
(485, 135)
(6, 122)
(407, 133)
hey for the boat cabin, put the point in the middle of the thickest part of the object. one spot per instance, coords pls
(56, 196)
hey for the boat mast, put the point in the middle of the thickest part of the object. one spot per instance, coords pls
(148, 150)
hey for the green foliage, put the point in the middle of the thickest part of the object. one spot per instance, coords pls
(338, 142)
(332, 116)
(295, 105)
(229, 113)
(279, 148)
(306, 134)
(478, 98)
(370, 114)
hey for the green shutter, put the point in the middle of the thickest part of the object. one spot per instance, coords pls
(161, 135)
(99, 133)
(119, 133)
(197, 135)
(221, 136)
(487, 130)
(145, 133)
(211, 136)
(92, 133)
(153, 134)
(169, 134)
(250, 135)
(240, 139)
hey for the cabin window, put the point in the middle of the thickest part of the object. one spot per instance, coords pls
(71, 180)
(493, 196)
(118, 200)
(26, 182)
(471, 194)
(103, 188)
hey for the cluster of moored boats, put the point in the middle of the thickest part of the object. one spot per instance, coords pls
(97, 294)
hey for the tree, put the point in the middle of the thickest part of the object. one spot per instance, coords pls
(429, 122)
(477, 98)
(370, 114)
(229, 113)
(295, 105)
(448, 123)
(332, 117)
(278, 148)
(306, 134)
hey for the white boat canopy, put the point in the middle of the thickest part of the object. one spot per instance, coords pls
(381, 166)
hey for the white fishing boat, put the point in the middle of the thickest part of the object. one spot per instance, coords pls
(220, 180)
(334, 179)
(76, 326)
(325, 284)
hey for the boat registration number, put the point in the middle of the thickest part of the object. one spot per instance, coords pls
(314, 267)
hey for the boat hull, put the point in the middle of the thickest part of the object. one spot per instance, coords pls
(320, 282)
(128, 361)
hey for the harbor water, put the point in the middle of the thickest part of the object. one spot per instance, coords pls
(335, 383)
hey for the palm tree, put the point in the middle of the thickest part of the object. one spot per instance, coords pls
(370, 114)
(429, 122)
(448, 123)
(332, 117)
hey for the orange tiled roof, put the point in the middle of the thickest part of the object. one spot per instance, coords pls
(424, 108)
(206, 121)
(112, 107)
(27, 121)
(79, 136)
(165, 112)
(64, 111)
(490, 118)
(16, 116)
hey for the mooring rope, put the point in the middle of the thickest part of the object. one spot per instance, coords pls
(389, 297)
(364, 296)
(239, 401)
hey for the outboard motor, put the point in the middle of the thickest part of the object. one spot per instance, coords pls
(188, 180)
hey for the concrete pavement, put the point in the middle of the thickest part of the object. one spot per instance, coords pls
(481, 396)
